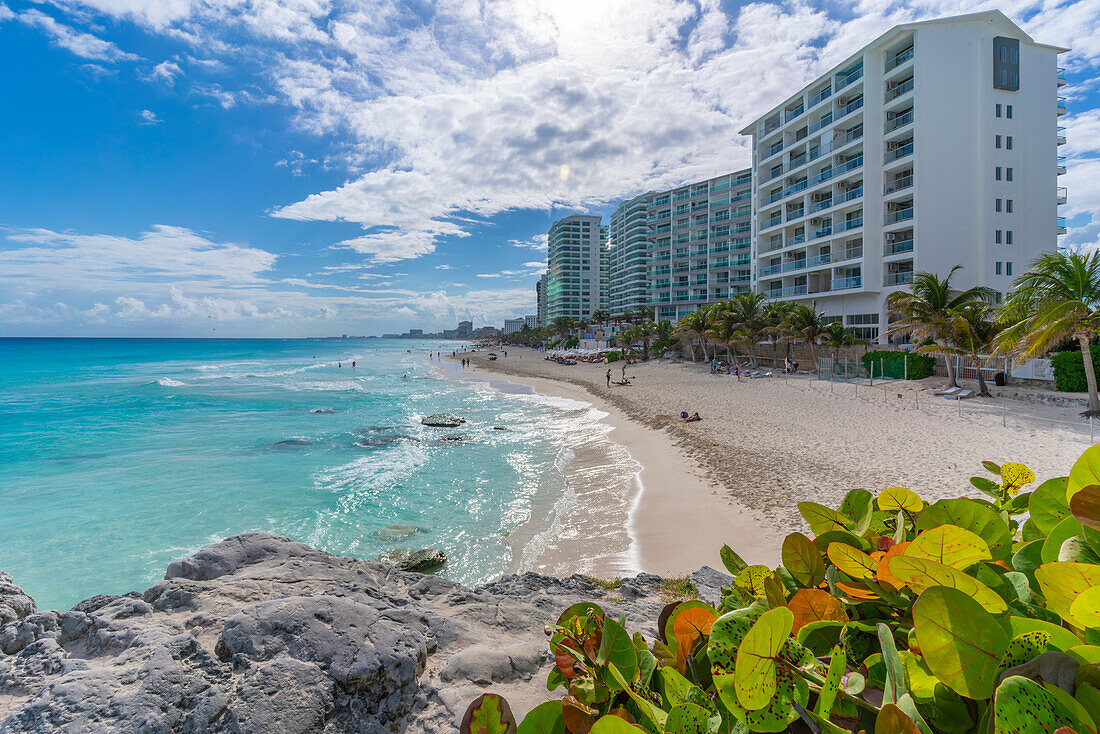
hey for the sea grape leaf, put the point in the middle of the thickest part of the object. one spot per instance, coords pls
(819, 637)
(803, 560)
(815, 605)
(909, 707)
(821, 518)
(1085, 471)
(831, 685)
(755, 669)
(779, 712)
(992, 468)
(687, 718)
(617, 647)
(987, 486)
(673, 685)
(1023, 648)
(1060, 637)
(612, 724)
(546, 718)
(1027, 558)
(852, 561)
(688, 622)
(892, 720)
(1086, 607)
(847, 537)
(733, 562)
(959, 640)
(1061, 532)
(1014, 476)
(893, 499)
(1049, 505)
(752, 578)
(855, 504)
(488, 714)
(1077, 549)
(1022, 706)
(1085, 506)
(920, 574)
(978, 518)
(1061, 583)
(581, 611)
(950, 545)
(1017, 504)
(894, 687)
(646, 707)
(882, 573)
(942, 706)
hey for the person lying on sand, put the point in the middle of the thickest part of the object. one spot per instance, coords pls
(689, 418)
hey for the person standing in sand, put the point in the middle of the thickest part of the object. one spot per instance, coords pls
(624, 370)
(609, 377)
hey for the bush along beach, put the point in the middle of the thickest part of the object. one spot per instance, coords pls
(893, 616)
(1069, 369)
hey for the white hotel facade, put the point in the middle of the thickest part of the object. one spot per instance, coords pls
(935, 145)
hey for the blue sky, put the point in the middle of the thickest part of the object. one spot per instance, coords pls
(311, 167)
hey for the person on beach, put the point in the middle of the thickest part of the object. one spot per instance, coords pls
(624, 371)
(353, 363)
(737, 370)
(609, 377)
(713, 365)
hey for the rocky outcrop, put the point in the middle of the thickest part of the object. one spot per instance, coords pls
(14, 602)
(262, 634)
(443, 420)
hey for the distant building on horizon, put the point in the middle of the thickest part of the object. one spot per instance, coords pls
(540, 298)
(465, 329)
(531, 321)
(934, 145)
(577, 268)
(511, 326)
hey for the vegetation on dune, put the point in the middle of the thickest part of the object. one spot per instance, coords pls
(894, 616)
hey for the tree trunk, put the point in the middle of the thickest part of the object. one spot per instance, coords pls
(983, 391)
(813, 355)
(691, 343)
(1090, 376)
(948, 360)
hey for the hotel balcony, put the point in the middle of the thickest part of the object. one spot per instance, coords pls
(1061, 165)
(899, 59)
(1061, 136)
(898, 212)
(895, 151)
(897, 121)
(821, 96)
(849, 77)
(895, 279)
(1063, 195)
(897, 244)
(842, 284)
(1061, 76)
(1061, 226)
(900, 183)
(893, 91)
(1061, 106)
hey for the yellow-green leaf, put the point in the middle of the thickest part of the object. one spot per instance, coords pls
(1086, 607)
(612, 724)
(950, 545)
(1085, 471)
(754, 669)
(488, 714)
(802, 558)
(892, 720)
(893, 499)
(821, 518)
(1014, 476)
(959, 640)
(920, 574)
(1048, 505)
(752, 579)
(852, 561)
(1061, 582)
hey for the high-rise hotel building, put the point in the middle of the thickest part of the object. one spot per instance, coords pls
(699, 244)
(628, 253)
(935, 145)
(577, 268)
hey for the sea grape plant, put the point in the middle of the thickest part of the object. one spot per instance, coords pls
(895, 616)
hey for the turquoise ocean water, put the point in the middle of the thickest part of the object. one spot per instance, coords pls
(118, 456)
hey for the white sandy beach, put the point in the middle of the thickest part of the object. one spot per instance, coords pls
(764, 445)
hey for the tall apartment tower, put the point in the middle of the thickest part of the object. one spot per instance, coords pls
(577, 268)
(935, 145)
(628, 253)
(699, 244)
(540, 300)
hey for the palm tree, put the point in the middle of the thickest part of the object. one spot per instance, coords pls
(775, 320)
(691, 326)
(837, 335)
(563, 325)
(725, 332)
(600, 317)
(626, 339)
(975, 333)
(927, 309)
(646, 331)
(1057, 298)
(664, 336)
(804, 322)
(746, 312)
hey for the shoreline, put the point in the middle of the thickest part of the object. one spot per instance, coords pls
(677, 520)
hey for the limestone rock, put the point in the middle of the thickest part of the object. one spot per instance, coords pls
(420, 561)
(14, 602)
(443, 420)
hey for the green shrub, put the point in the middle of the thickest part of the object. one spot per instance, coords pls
(893, 616)
(570, 343)
(1069, 370)
(613, 356)
(893, 364)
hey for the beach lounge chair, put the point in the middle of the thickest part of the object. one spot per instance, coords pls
(960, 395)
(948, 391)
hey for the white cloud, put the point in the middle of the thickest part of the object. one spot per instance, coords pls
(166, 72)
(148, 117)
(442, 267)
(84, 45)
(537, 242)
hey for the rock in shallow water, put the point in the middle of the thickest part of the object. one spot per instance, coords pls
(443, 420)
(421, 561)
(262, 634)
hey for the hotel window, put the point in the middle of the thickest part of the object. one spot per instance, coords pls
(1008, 236)
(1008, 173)
(1008, 142)
(997, 205)
(998, 110)
(997, 237)
(1008, 205)
(1008, 111)
(1008, 268)
(997, 174)
(997, 141)
(997, 268)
